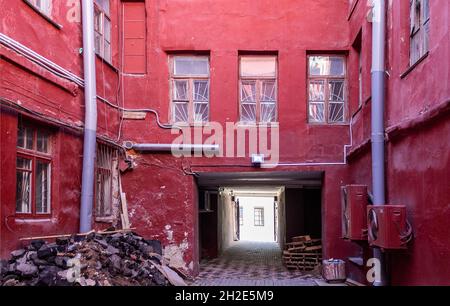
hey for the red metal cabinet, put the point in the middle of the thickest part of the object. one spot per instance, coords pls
(388, 227)
(354, 205)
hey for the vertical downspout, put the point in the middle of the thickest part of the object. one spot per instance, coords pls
(90, 122)
(378, 72)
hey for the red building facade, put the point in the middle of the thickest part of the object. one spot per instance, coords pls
(195, 61)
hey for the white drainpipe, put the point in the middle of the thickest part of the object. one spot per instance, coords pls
(90, 123)
(378, 75)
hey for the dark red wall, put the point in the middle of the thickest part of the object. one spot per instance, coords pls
(286, 28)
(65, 189)
(31, 87)
(162, 191)
(417, 153)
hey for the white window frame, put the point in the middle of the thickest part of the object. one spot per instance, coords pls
(190, 79)
(326, 80)
(260, 220)
(258, 80)
(43, 6)
(103, 33)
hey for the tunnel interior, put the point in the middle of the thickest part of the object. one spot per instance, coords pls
(243, 208)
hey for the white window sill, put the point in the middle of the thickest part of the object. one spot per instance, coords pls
(413, 66)
(43, 15)
(187, 125)
(259, 124)
(328, 124)
(32, 220)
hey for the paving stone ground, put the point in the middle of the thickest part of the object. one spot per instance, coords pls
(248, 263)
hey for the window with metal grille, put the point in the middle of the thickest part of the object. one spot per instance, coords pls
(33, 170)
(102, 28)
(190, 89)
(258, 89)
(104, 178)
(327, 89)
(419, 29)
(259, 216)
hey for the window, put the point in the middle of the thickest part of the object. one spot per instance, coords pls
(357, 46)
(134, 37)
(241, 215)
(258, 89)
(259, 216)
(33, 166)
(190, 89)
(104, 180)
(360, 79)
(102, 28)
(326, 86)
(43, 6)
(420, 27)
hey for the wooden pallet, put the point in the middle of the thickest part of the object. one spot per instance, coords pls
(302, 261)
(303, 253)
(301, 238)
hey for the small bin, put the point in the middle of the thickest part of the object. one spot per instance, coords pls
(333, 270)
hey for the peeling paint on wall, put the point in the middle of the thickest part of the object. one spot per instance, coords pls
(168, 232)
(174, 254)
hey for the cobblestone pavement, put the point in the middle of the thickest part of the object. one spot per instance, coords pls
(248, 263)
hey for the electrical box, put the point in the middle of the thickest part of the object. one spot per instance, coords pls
(388, 227)
(354, 201)
(257, 159)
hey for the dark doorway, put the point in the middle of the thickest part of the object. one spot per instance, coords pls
(208, 224)
(295, 209)
(303, 213)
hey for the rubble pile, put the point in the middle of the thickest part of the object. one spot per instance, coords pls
(98, 259)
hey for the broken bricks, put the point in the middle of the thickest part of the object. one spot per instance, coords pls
(122, 259)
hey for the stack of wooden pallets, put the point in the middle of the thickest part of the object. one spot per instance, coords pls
(303, 253)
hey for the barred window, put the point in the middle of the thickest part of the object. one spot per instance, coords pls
(258, 89)
(190, 89)
(327, 89)
(104, 179)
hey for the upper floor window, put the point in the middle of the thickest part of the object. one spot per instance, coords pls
(420, 27)
(258, 89)
(43, 6)
(190, 89)
(327, 89)
(102, 28)
(33, 170)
